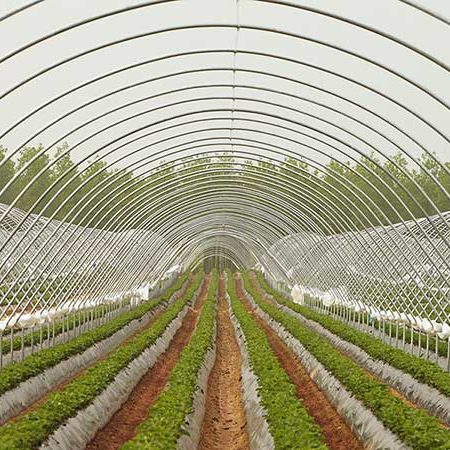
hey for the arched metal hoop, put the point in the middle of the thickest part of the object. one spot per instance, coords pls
(280, 173)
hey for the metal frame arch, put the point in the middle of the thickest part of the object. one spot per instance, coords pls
(417, 274)
(423, 148)
(425, 11)
(357, 151)
(365, 27)
(272, 104)
(202, 26)
(200, 260)
(431, 202)
(193, 228)
(78, 273)
(278, 2)
(19, 10)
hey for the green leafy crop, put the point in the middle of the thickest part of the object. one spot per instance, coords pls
(290, 424)
(164, 425)
(30, 430)
(413, 426)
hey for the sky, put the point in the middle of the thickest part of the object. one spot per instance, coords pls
(285, 96)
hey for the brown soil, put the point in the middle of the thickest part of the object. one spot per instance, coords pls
(122, 425)
(58, 388)
(338, 434)
(224, 425)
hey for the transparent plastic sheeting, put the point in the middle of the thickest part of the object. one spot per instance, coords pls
(49, 272)
(307, 139)
(393, 273)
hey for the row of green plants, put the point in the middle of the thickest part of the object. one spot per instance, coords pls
(412, 425)
(14, 374)
(289, 422)
(164, 425)
(422, 370)
(30, 430)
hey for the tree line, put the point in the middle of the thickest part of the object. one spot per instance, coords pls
(341, 196)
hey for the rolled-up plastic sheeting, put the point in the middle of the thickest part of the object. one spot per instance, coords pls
(297, 294)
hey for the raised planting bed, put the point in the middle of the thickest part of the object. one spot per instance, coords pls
(413, 426)
(422, 370)
(166, 418)
(289, 422)
(132, 395)
(31, 429)
(224, 417)
(406, 385)
(323, 396)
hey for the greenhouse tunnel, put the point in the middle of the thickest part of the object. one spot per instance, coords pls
(305, 141)
(320, 162)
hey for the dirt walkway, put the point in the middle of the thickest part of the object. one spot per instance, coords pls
(122, 425)
(224, 425)
(338, 435)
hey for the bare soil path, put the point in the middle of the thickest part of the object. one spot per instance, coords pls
(123, 424)
(224, 425)
(338, 435)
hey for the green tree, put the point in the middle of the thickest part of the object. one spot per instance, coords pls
(428, 185)
(63, 171)
(7, 171)
(90, 197)
(32, 193)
